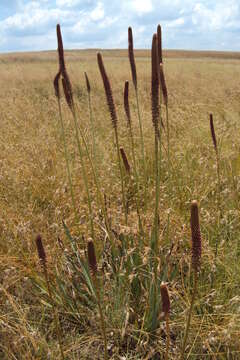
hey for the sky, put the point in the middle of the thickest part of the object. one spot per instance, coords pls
(27, 25)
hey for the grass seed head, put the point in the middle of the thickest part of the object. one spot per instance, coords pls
(159, 37)
(87, 83)
(41, 251)
(165, 299)
(92, 262)
(213, 132)
(60, 49)
(126, 103)
(125, 160)
(67, 89)
(108, 90)
(163, 84)
(196, 237)
(155, 84)
(56, 84)
(131, 57)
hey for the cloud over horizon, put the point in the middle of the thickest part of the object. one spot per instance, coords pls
(27, 25)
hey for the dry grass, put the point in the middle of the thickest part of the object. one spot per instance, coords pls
(35, 198)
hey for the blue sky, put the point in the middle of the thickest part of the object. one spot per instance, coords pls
(27, 25)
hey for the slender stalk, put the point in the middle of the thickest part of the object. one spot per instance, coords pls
(129, 123)
(101, 320)
(121, 173)
(196, 263)
(67, 160)
(91, 117)
(165, 100)
(93, 268)
(168, 336)
(189, 316)
(134, 79)
(113, 114)
(84, 173)
(43, 261)
(67, 88)
(166, 311)
(218, 173)
(155, 120)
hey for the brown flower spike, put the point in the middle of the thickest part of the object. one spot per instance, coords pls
(213, 132)
(155, 84)
(41, 251)
(87, 83)
(125, 160)
(92, 262)
(56, 84)
(165, 299)
(108, 90)
(159, 37)
(131, 57)
(67, 86)
(196, 237)
(60, 49)
(126, 103)
(163, 85)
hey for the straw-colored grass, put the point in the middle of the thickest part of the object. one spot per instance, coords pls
(35, 198)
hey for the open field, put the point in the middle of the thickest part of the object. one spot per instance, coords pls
(35, 198)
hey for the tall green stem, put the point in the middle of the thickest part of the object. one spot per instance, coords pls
(142, 148)
(121, 175)
(84, 172)
(92, 126)
(67, 160)
(189, 315)
(55, 313)
(137, 182)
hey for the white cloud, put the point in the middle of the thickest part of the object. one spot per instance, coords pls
(68, 3)
(141, 6)
(97, 13)
(28, 24)
(175, 23)
(216, 18)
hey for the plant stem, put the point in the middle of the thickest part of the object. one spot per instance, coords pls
(92, 126)
(121, 175)
(168, 139)
(95, 177)
(84, 172)
(168, 336)
(67, 160)
(189, 315)
(142, 149)
(55, 314)
(137, 181)
(102, 322)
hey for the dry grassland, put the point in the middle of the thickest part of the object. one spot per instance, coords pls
(35, 198)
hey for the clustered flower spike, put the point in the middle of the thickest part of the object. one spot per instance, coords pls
(196, 237)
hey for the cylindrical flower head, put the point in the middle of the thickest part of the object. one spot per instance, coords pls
(155, 84)
(159, 37)
(108, 90)
(165, 299)
(125, 160)
(126, 103)
(163, 85)
(67, 89)
(131, 57)
(196, 237)
(40, 249)
(56, 84)
(87, 83)
(60, 49)
(213, 132)
(92, 262)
